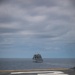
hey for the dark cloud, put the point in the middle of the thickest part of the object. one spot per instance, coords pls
(43, 36)
(2, 1)
(6, 19)
(5, 46)
(73, 2)
(48, 3)
(1, 38)
(8, 30)
(35, 2)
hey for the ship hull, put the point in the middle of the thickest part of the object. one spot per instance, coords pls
(37, 61)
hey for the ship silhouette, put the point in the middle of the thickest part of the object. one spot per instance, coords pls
(37, 58)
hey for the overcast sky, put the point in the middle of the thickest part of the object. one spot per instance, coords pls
(37, 26)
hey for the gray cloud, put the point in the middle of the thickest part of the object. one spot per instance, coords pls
(73, 2)
(48, 19)
(2, 1)
(6, 19)
(7, 30)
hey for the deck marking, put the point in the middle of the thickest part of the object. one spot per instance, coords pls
(41, 73)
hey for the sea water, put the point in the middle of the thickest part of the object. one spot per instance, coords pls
(26, 63)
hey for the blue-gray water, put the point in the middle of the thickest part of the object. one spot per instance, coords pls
(23, 64)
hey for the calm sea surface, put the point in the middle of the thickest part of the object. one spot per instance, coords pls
(23, 64)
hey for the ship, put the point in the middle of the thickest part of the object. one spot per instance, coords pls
(37, 58)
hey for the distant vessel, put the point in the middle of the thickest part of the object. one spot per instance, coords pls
(37, 58)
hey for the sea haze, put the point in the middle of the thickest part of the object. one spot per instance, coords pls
(24, 64)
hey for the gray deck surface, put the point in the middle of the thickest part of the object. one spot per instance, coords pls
(66, 72)
(17, 74)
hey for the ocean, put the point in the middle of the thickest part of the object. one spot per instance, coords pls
(26, 64)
